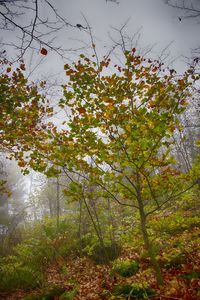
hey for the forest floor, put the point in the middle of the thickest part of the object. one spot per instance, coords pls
(85, 280)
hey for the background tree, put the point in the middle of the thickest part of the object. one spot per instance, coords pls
(190, 11)
(12, 205)
(22, 110)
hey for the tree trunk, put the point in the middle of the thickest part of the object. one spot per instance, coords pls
(149, 248)
(100, 238)
(147, 243)
(80, 223)
(58, 204)
(111, 221)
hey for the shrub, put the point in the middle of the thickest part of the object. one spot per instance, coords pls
(133, 291)
(68, 295)
(25, 269)
(175, 223)
(174, 259)
(54, 292)
(125, 268)
(105, 254)
(15, 274)
(191, 275)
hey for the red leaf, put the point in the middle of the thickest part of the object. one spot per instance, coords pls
(43, 51)
(22, 67)
(81, 110)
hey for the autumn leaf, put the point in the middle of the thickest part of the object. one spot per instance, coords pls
(22, 67)
(43, 51)
(22, 163)
(81, 110)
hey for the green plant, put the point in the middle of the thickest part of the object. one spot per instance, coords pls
(133, 291)
(112, 251)
(125, 268)
(15, 274)
(191, 275)
(175, 258)
(175, 223)
(68, 295)
(50, 294)
(44, 244)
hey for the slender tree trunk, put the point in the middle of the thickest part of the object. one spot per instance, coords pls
(49, 197)
(111, 221)
(100, 238)
(50, 207)
(149, 248)
(58, 204)
(80, 223)
(32, 200)
(93, 205)
(147, 243)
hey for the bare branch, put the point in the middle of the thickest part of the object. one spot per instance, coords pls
(39, 32)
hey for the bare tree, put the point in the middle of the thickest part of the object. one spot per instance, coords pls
(33, 28)
(188, 9)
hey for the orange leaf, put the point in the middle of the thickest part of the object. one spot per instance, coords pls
(81, 110)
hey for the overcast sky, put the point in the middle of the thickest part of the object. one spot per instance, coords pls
(159, 22)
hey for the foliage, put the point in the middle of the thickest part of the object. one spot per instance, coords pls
(127, 116)
(26, 268)
(55, 291)
(175, 258)
(68, 295)
(191, 275)
(174, 223)
(16, 274)
(91, 278)
(111, 251)
(21, 112)
(134, 291)
(125, 268)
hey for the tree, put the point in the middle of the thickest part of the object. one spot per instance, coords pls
(187, 8)
(12, 206)
(119, 132)
(39, 32)
(21, 112)
(34, 29)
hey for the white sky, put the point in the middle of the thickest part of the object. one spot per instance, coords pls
(159, 22)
